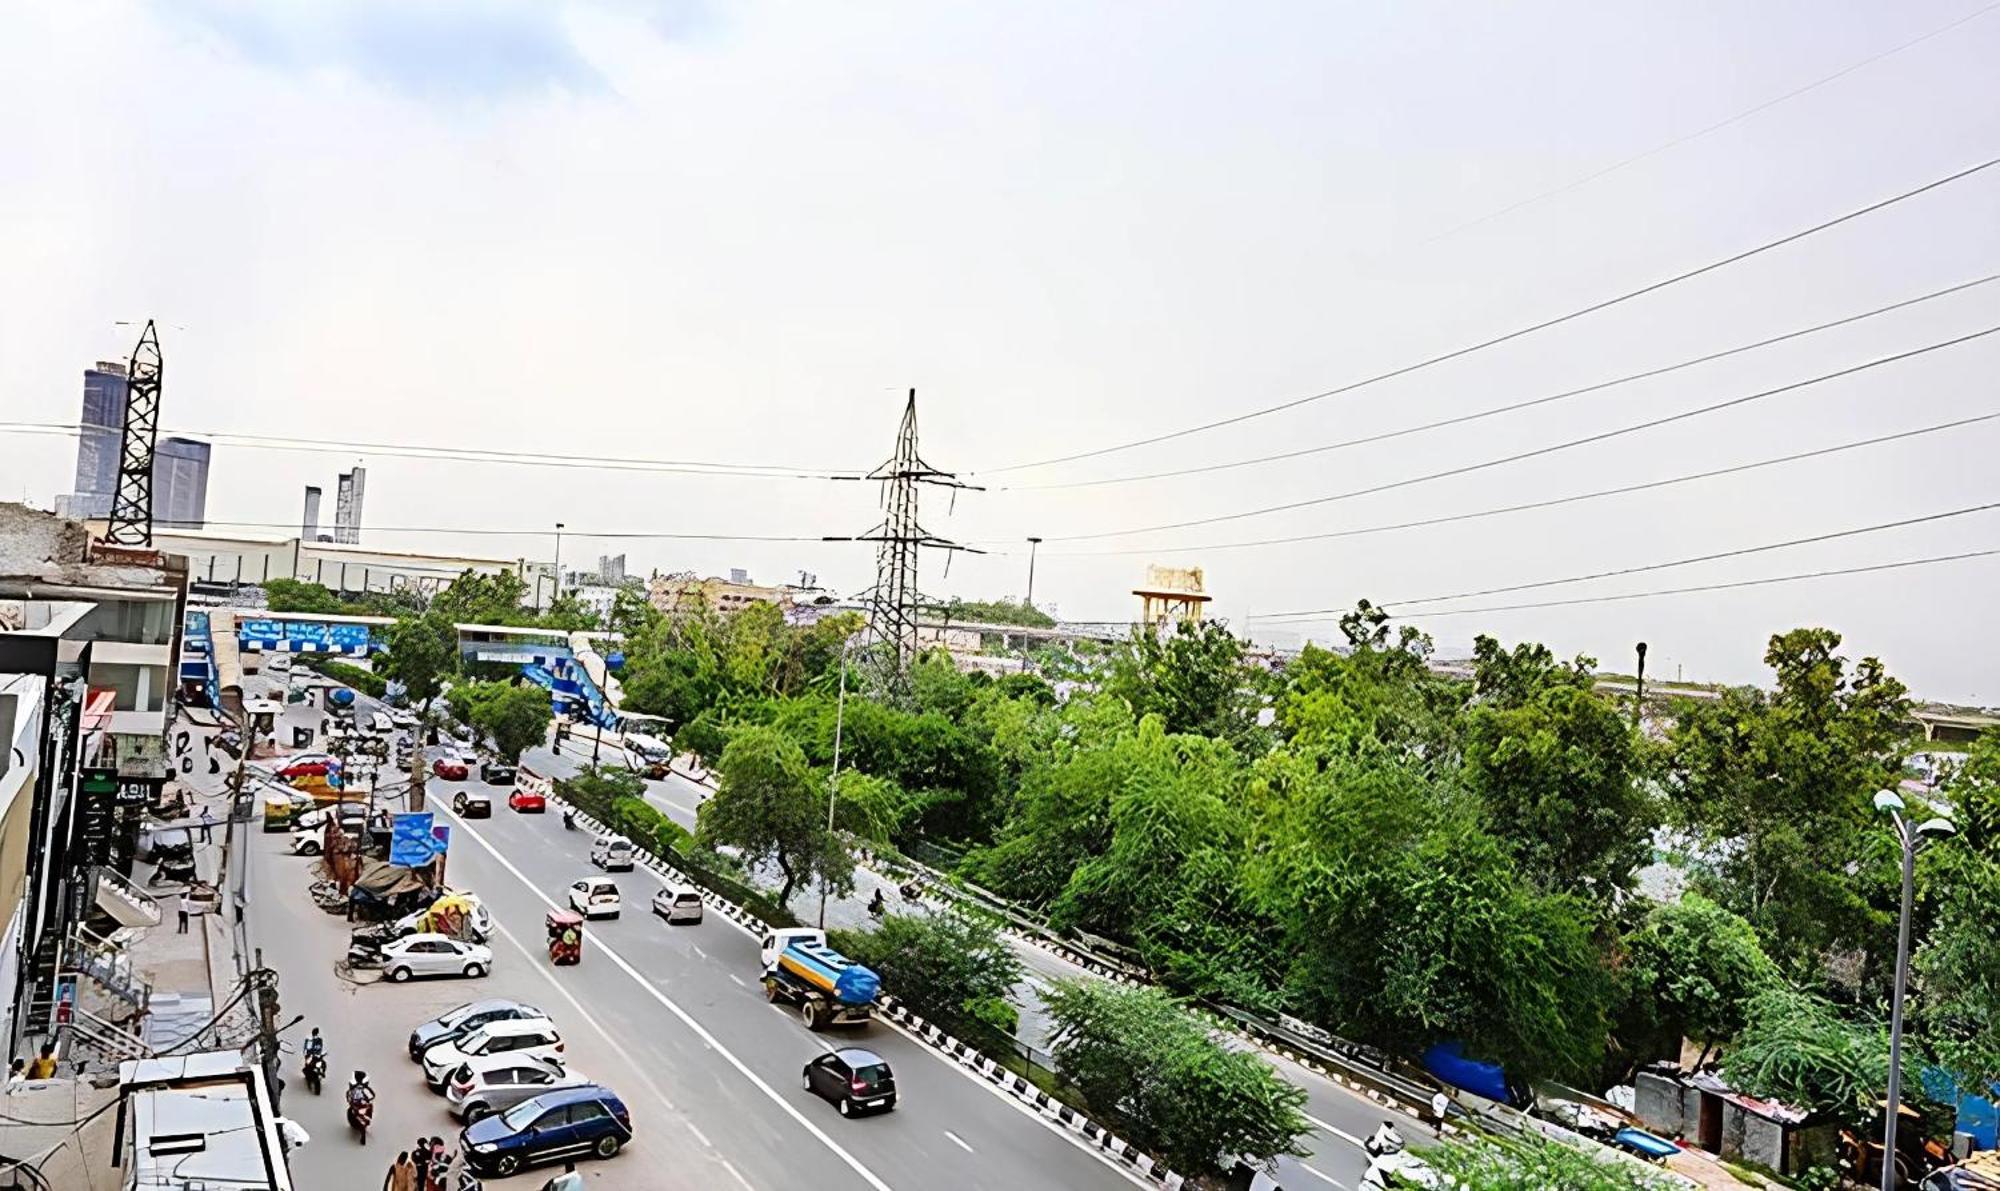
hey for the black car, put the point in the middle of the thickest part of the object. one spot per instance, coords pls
(472, 804)
(496, 773)
(856, 1080)
(463, 1020)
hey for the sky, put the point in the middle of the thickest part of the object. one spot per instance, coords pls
(673, 229)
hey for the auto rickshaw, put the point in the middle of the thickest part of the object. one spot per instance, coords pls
(565, 937)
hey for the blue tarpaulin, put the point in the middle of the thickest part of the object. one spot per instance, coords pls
(1447, 1061)
(412, 843)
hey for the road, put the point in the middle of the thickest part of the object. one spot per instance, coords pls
(670, 1017)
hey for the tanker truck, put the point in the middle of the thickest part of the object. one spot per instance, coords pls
(829, 988)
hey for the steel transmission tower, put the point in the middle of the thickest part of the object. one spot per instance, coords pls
(132, 506)
(894, 600)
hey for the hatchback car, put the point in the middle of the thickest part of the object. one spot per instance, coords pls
(612, 853)
(497, 773)
(571, 1123)
(856, 1080)
(494, 1083)
(527, 1037)
(459, 1022)
(449, 768)
(527, 800)
(595, 897)
(472, 804)
(677, 903)
(434, 955)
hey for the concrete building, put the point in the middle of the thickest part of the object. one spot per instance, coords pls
(350, 488)
(683, 593)
(1170, 594)
(309, 523)
(596, 597)
(219, 559)
(180, 465)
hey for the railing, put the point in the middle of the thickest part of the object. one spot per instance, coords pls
(109, 1039)
(110, 965)
(136, 901)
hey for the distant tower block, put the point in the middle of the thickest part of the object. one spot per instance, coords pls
(309, 524)
(1170, 594)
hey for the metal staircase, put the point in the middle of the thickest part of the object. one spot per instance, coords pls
(124, 902)
(93, 1039)
(108, 965)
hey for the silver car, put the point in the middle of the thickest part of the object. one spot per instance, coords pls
(434, 955)
(488, 1084)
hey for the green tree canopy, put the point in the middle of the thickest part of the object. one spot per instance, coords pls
(516, 717)
(423, 651)
(1534, 1163)
(1191, 676)
(770, 806)
(298, 595)
(944, 966)
(998, 612)
(1690, 970)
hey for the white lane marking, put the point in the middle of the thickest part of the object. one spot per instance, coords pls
(738, 980)
(698, 1136)
(739, 1174)
(1319, 1174)
(700, 1031)
(704, 955)
(1336, 1130)
(958, 1141)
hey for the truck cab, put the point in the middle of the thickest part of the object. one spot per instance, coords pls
(778, 938)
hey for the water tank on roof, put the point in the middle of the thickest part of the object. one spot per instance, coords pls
(616, 661)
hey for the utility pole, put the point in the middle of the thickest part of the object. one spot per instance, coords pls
(558, 575)
(1033, 545)
(417, 771)
(132, 507)
(1639, 686)
(833, 782)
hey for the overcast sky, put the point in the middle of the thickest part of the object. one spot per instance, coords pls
(739, 232)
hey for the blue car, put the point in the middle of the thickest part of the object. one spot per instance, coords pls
(570, 1123)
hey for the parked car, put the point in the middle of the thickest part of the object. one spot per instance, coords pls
(527, 800)
(494, 1083)
(459, 1022)
(595, 897)
(612, 853)
(478, 917)
(403, 717)
(855, 1080)
(571, 1123)
(472, 804)
(434, 955)
(449, 767)
(677, 903)
(497, 773)
(527, 1037)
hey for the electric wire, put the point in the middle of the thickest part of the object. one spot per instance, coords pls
(1698, 133)
(1549, 449)
(1741, 552)
(1493, 411)
(1481, 345)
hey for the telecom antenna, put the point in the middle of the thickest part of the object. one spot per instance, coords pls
(132, 507)
(893, 601)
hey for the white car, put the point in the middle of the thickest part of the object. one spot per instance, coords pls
(677, 903)
(434, 955)
(494, 1083)
(1403, 1165)
(595, 897)
(612, 853)
(481, 917)
(523, 1037)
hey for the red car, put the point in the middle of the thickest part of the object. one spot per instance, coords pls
(527, 799)
(451, 769)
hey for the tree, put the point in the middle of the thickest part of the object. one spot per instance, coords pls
(1535, 1163)
(1958, 972)
(1163, 1082)
(1379, 690)
(516, 717)
(771, 806)
(474, 597)
(422, 651)
(569, 613)
(944, 966)
(299, 595)
(1798, 1049)
(1974, 790)
(1690, 970)
(1775, 788)
(998, 612)
(1192, 677)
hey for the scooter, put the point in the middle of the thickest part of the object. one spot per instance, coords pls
(569, 820)
(360, 1115)
(315, 1072)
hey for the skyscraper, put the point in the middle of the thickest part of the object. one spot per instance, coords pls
(180, 465)
(348, 492)
(309, 529)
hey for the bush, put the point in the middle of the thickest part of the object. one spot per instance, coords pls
(638, 821)
(366, 681)
(944, 966)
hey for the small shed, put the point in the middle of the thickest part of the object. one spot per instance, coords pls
(1707, 1114)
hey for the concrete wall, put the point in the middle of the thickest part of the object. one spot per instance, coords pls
(1665, 1107)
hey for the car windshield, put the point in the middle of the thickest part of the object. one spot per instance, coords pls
(871, 1076)
(522, 1115)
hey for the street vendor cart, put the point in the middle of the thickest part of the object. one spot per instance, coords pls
(565, 937)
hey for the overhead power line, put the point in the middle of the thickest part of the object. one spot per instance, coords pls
(1537, 452)
(1671, 591)
(1742, 552)
(1509, 336)
(1698, 133)
(1493, 411)
(457, 454)
(1553, 502)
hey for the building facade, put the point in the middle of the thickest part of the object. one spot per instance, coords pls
(180, 483)
(681, 594)
(219, 560)
(180, 465)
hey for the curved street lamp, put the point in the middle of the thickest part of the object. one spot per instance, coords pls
(1912, 836)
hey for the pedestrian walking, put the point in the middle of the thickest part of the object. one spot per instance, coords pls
(402, 1175)
(440, 1165)
(186, 907)
(421, 1159)
(44, 1066)
(207, 821)
(1440, 1105)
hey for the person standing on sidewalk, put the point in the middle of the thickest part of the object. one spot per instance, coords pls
(186, 907)
(1440, 1105)
(207, 821)
(420, 1158)
(402, 1176)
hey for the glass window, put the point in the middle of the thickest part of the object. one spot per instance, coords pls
(872, 1076)
(522, 1115)
(584, 1112)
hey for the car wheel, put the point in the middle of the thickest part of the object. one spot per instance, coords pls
(607, 1146)
(506, 1164)
(846, 1107)
(399, 974)
(806, 1082)
(474, 1113)
(809, 1014)
(474, 970)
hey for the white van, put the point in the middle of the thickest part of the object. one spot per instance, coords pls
(677, 903)
(612, 853)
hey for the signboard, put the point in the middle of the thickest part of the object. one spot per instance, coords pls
(413, 843)
(441, 838)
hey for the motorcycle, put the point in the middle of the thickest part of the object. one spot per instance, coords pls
(315, 1072)
(569, 820)
(361, 1114)
(876, 906)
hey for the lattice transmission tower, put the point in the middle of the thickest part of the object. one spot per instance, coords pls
(894, 600)
(132, 507)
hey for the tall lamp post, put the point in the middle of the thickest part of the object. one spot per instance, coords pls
(558, 575)
(833, 783)
(1912, 836)
(1034, 544)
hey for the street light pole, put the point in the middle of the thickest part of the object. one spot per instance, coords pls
(1911, 837)
(1033, 545)
(558, 574)
(833, 783)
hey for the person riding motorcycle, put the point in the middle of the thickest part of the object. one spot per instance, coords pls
(876, 905)
(1384, 1141)
(314, 1049)
(360, 1104)
(569, 820)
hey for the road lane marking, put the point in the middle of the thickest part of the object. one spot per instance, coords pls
(739, 1174)
(738, 980)
(701, 1031)
(1336, 1130)
(1319, 1174)
(958, 1141)
(697, 951)
(697, 1133)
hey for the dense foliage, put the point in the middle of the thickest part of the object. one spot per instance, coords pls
(953, 967)
(1532, 1163)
